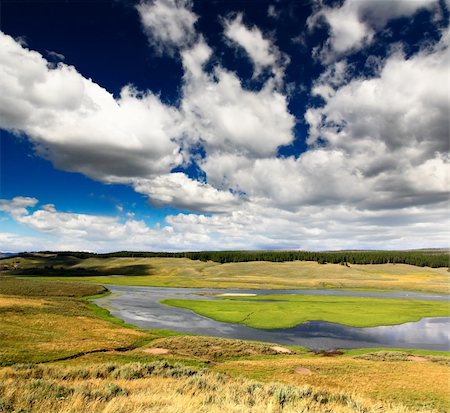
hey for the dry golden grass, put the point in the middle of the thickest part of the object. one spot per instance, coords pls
(11, 302)
(160, 387)
(182, 272)
(52, 322)
(416, 384)
(211, 348)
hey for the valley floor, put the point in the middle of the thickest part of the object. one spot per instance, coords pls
(61, 353)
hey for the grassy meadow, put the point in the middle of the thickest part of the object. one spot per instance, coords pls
(164, 387)
(284, 311)
(44, 321)
(61, 353)
(183, 272)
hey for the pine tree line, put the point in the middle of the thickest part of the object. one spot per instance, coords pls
(421, 258)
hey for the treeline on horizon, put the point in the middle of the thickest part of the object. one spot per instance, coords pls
(422, 258)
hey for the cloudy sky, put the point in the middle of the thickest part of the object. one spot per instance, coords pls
(200, 125)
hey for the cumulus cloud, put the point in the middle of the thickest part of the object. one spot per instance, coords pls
(262, 52)
(223, 116)
(393, 127)
(169, 24)
(75, 228)
(78, 125)
(17, 206)
(375, 172)
(251, 227)
(376, 143)
(317, 177)
(319, 228)
(180, 191)
(354, 23)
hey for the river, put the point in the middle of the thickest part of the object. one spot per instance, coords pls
(141, 307)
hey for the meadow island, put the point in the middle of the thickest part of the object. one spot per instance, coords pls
(229, 331)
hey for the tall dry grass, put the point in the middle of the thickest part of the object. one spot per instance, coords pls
(161, 387)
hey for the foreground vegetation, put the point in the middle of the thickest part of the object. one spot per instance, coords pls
(61, 354)
(183, 272)
(161, 387)
(283, 311)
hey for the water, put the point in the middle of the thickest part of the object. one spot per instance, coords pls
(141, 306)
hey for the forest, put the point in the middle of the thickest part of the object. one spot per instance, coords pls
(423, 258)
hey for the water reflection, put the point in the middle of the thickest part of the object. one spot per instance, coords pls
(141, 306)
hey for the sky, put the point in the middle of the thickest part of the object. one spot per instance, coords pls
(177, 125)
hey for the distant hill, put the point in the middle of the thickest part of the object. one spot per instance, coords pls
(7, 254)
(423, 258)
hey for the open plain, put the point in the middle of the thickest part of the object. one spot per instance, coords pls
(66, 354)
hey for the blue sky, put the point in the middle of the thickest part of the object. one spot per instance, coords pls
(184, 125)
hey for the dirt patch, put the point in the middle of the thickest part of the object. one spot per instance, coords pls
(281, 350)
(417, 358)
(156, 351)
(329, 353)
(302, 370)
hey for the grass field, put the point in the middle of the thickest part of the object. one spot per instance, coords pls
(283, 311)
(106, 366)
(42, 321)
(162, 387)
(182, 272)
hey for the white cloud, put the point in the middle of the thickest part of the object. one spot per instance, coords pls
(223, 116)
(169, 24)
(182, 192)
(354, 23)
(375, 173)
(377, 143)
(11, 242)
(78, 125)
(62, 229)
(250, 227)
(402, 106)
(317, 177)
(262, 52)
(319, 228)
(17, 206)
(393, 128)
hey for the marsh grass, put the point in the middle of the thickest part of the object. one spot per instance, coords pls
(284, 311)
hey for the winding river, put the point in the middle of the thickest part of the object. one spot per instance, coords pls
(141, 307)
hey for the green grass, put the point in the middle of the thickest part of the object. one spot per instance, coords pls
(266, 313)
(183, 272)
